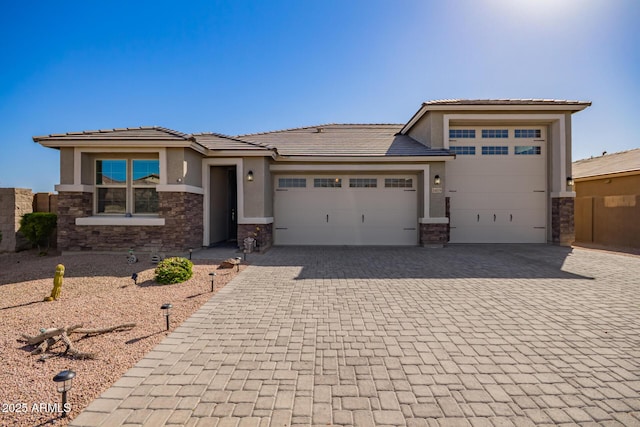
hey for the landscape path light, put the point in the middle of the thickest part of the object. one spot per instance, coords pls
(64, 381)
(134, 277)
(167, 311)
(213, 277)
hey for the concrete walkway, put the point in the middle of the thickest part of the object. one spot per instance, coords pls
(466, 335)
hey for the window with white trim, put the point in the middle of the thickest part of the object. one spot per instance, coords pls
(126, 186)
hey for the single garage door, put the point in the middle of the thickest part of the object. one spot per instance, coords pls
(345, 210)
(497, 186)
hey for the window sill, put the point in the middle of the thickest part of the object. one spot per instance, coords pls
(120, 220)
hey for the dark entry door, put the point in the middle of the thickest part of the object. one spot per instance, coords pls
(233, 204)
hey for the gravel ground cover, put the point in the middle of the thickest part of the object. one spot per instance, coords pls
(97, 292)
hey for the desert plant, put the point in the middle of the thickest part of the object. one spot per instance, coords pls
(174, 270)
(38, 227)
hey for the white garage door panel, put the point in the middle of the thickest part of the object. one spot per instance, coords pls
(498, 198)
(345, 216)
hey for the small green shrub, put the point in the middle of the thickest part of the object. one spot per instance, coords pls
(174, 270)
(38, 227)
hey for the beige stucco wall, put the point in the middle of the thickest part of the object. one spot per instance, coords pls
(66, 165)
(256, 192)
(437, 200)
(184, 166)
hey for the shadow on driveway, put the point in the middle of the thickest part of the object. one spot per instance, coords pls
(501, 261)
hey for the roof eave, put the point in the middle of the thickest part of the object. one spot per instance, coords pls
(571, 107)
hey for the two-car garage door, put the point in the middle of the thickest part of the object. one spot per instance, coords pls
(345, 210)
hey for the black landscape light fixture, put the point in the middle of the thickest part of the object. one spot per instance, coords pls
(167, 312)
(436, 180)
(239, 260)
(134, 277)
(570, 181)
(250, 176)
(64, 382)
(190, 253)
(213, 277)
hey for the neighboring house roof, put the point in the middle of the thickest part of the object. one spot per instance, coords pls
(344, 140)
(624, 161)
(143, 132)
(216, 141)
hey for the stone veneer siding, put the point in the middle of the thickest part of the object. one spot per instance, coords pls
(183, 214)
(264, 235)
(562, 222)
(434, 234)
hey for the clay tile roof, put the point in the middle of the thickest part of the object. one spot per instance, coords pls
(624, 161)
(340, 140)
(143, 132)
(216, 141)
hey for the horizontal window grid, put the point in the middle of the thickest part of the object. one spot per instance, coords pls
(462, 133)
(292, 182)
(398, 183)
(528, 133)
(493, 150)
(463, 150)
(363, 182)
(327, 182)
(495, 133)
(528, 150)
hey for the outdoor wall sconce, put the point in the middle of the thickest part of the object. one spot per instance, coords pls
(213, 277)
(167, 311)
(64, 381)
(569, 181)
(134, 277)
(250, 176)
(436, 180)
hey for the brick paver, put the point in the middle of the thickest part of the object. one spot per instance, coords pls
(466, 335)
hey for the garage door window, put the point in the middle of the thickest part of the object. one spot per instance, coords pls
(495, 133)
(398, 183)
(528, 150)
(463, 150)
(495, 150)
(327, 182)
(528, 133)
(462, 133)
(292, 182)
(363, 182)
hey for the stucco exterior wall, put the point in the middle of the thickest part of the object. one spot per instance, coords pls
(608, 211)
(66, 165)
(255, 192)
(437, 200)
(184, 166)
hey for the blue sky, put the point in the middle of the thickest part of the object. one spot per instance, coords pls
(238, 67)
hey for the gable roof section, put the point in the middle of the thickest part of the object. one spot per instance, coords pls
(344, 140)
(138, 133)
(495, 105)
(624, 161)
(216, 142)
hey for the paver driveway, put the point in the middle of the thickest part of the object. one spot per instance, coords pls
(466, 335)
